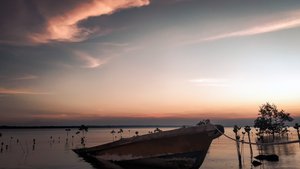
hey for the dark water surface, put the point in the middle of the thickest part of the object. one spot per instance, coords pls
(56, 153)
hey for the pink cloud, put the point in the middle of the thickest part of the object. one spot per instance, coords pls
(89, 61)
(291, 20)
(260, 29)
(65, 26)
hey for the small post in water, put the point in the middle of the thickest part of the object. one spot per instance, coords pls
(237, 137)
(247, 130)
(297, 128)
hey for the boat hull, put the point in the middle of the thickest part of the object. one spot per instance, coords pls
(190, 160)
(180, 148)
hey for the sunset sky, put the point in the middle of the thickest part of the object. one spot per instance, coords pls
(65, 62)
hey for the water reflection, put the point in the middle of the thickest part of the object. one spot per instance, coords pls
(48, 153)
(67, 146)
(97, 164)
(282, 149)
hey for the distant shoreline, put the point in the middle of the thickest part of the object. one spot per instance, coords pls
(89, 126)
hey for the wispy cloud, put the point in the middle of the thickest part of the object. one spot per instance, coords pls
(26, 77)
(64, 115)
(210, 82)
(7, 91)
(89, 61)
(65, 26)
(291, 21)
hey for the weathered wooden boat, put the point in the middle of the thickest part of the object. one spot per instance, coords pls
(179, 148)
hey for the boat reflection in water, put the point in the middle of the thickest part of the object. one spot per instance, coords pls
(180, 148)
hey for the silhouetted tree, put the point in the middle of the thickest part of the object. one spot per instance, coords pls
(271, 120)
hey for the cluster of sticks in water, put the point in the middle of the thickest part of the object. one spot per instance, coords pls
(8, 145)
(121, 131)
(5, 146)
(82, 129)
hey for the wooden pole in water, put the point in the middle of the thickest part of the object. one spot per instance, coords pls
(235, 130)
(2, 146)
(248, 129)
(297, 128)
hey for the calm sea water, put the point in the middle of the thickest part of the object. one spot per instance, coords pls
(56, 153)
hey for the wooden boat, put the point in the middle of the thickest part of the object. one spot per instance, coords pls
(179, 148)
